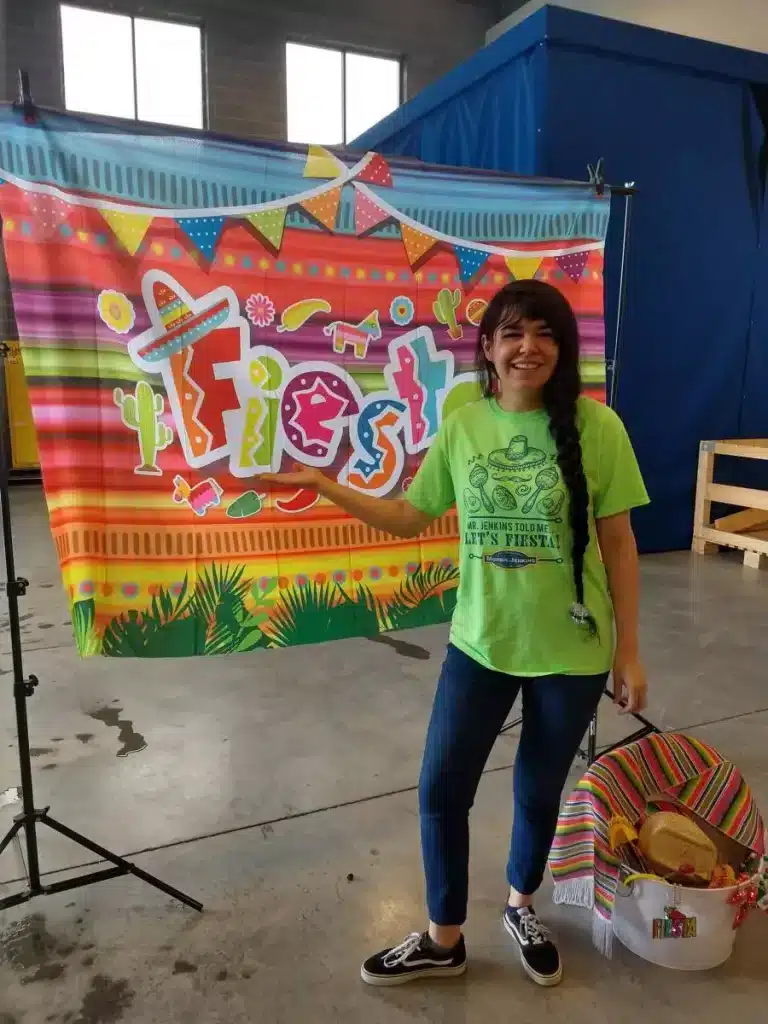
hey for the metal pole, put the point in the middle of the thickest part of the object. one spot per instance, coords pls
(622, 302)
(22, 687)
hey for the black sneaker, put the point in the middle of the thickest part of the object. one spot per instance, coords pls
(417, 957)
(539, 954)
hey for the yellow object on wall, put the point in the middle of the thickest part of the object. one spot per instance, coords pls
(24, 454)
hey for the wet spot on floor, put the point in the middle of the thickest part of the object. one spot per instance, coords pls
(28, 944)
(222, 976)
(84, 737)
(10, 796)
(184, 967)
(46, 586)
(45, 625)
(105, 1001)
(267, 831)
(402, 647)
(57, 739)
(88, 961)
(374, 852)
(49, 767)
(46, 972)
(131, 741)
(40, 751)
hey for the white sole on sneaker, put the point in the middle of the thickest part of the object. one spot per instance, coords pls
(545, 980)
(402, 979)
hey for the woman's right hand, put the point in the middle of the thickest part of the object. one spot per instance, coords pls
(299, 476)
(394, 516)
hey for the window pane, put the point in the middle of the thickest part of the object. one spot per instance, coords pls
(373, 91)
(314, 94)
(98, 62)
(169, 73)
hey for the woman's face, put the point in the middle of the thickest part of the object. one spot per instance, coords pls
(524, 354)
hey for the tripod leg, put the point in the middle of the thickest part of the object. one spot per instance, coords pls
(11, 835)
(121, 862)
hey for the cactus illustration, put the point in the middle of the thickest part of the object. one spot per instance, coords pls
(141, 412)
(445, 307)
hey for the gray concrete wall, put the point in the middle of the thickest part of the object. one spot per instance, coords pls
(245, 45)
(742, 23)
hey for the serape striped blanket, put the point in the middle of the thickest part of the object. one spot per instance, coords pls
(623, 782)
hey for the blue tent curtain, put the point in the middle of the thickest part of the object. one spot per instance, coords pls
(457, 134)
(686, 120)
(690, 143)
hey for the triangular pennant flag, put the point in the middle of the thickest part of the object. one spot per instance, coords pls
(523, 268)
(269, 224)
(376, 172)
(48, 211)
(129, 228)
(470, 261)
(324, 207)
(367, 213)
(573, 263)
(204, 232)
(322, 164)
(416, 243)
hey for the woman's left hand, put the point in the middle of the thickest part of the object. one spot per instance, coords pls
(630, 685)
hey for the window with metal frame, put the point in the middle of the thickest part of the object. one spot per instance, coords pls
(143, 69)
(335, 94)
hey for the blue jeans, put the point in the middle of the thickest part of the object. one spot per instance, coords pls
(471, 706)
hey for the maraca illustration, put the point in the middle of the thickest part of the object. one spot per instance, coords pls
(478, 477)
(546, 479)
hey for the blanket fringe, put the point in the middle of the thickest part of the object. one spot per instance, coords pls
(576, 892)
(602, 934)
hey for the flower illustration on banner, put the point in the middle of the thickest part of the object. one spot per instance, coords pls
(260, 310)
(401, 310)
(116, 310)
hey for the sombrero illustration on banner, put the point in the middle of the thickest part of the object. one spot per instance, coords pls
(182, 326)
(178, 322)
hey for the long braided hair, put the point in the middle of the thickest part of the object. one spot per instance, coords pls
(535, 300)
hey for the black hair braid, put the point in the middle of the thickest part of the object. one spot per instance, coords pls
(564, 428)
(537, 300)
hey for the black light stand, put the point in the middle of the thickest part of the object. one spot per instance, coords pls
(596, 178)
(23, 689)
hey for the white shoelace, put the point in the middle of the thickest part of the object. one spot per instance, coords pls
(533, 930)
(400, 953)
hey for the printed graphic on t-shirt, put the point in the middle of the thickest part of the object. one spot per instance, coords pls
(514, 502)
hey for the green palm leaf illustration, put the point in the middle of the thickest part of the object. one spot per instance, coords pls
(424, 598)
(84, 623)
(320, 611)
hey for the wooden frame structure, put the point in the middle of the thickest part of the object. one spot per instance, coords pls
(747, 529)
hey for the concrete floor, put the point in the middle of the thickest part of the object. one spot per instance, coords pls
(261, 783)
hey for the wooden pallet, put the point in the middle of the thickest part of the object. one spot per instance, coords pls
(747, 529)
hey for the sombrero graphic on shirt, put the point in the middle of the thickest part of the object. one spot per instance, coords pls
(516, 458)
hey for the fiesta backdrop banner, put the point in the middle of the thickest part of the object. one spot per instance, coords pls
(195, 312)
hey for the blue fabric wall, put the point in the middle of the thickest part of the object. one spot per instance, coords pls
(456, 133)
(681, 118)
(689, 142)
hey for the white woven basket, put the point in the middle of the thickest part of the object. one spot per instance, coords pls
(682, 928)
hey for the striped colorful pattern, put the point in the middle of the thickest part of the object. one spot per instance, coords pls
(175, 347)
(624, 782)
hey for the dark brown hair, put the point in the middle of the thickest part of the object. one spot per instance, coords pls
(535, 300)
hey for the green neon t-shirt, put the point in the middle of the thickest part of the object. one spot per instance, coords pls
(516, 585)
